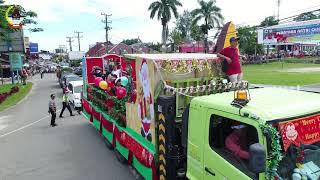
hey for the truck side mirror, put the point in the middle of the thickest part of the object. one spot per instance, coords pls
(257, 160)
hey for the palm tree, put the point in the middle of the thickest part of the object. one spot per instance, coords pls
(163, 9)
(211, 14)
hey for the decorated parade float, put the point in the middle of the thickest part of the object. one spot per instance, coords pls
(169, 116)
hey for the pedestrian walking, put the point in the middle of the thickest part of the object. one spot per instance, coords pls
(52, 110)
(65, 103)
(24, 75)
(41, 73)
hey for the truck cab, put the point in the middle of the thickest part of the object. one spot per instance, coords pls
(216, 149)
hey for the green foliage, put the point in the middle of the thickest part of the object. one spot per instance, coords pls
(118, 111)
(308, 16)
(155, 47)
(184, 24)
(15, 98)
(163, 9)
(75, 63)
(131, 41)
(274, 155)
(99, 98)
(210, 13)
(196, 33)
(269, 21)
(175, 38)
(248, 42)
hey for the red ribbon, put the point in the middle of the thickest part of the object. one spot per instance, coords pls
(86, 106)
(96, 114)
(106, 124)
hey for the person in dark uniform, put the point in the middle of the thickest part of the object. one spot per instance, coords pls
(52, 110)
(65, 103)
(41, 72)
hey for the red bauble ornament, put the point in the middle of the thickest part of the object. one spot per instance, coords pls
(121, 92)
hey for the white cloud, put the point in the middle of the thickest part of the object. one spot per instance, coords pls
(131, 18)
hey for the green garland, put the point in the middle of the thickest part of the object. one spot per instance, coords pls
(275, 155)
(99, 98)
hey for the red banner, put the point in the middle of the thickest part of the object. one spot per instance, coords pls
(305, 130)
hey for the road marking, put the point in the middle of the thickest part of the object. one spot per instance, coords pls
(4, 122)
(23, 127)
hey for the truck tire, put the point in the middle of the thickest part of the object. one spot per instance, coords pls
(119, 156)
(108, 144)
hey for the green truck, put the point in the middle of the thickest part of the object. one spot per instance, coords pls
(179, 122)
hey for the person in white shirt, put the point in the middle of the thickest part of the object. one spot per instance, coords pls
(52, 110)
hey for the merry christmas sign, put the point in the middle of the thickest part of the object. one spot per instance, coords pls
(300, 131)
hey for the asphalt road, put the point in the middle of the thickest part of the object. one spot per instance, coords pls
(32, 150)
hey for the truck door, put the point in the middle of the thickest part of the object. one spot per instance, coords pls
(219, 162)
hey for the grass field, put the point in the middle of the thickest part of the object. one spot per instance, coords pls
(15, 98)
(274, 74)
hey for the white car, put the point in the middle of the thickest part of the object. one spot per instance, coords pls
(75, 88)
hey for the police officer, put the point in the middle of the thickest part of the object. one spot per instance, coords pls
(52, 110)
(65, 103)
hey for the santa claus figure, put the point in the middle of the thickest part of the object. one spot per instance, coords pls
(145, 102)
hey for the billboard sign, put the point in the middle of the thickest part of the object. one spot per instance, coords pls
(291, 35)
(15, 61)
(33, 48)
(76, 55)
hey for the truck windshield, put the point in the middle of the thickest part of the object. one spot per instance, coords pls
(300, 149)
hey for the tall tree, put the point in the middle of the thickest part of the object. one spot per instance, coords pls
(248, 43)
(269, 21)
(184, 24)
(308, 16)
(175, 38)
(163, 9)
(196, 33)
(131, 41)
(211, 16)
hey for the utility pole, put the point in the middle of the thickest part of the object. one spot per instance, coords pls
(78, 36)
(107, 27)
(70, 42)
(278, 2)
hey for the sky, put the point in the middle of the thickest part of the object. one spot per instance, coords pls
(131, 18)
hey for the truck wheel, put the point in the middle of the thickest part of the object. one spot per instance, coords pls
(119, 156)
(135, 173)
(181, 173)
(108, 144)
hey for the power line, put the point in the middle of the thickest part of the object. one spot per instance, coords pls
(107, 27)
(78, 36)
(69, 40)
(312, 7)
